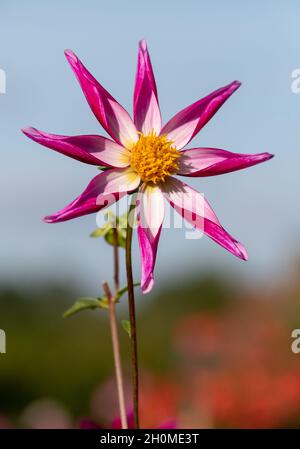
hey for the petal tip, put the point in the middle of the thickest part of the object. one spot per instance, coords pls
(147, 285)
(48, 219)
(26, 130)
(55, 218)
(29, 131)
(242, 251)
(143, 44)
(269, 156)
(70, 55)
(263, 157)
(235, 85)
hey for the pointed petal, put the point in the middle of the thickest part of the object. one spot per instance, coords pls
(193, 207)
(95, 150)
(147, 115)
(104, 190)
(188, 122)
(112, 116)
(150, 213)
(213, 161)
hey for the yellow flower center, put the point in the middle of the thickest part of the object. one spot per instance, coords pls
(154, 157)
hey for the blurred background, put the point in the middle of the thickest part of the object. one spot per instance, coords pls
(215, 333)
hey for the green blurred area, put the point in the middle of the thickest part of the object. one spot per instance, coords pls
(66, 358)
(181, 330)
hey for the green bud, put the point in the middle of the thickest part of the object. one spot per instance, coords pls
(126, 327)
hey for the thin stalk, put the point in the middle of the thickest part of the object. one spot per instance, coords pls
(116, 353)
(116, 261)
(131, 303)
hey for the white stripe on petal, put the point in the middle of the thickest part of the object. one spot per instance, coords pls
(119, 180)
(151, 208)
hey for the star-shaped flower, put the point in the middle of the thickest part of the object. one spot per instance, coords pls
(145, 155)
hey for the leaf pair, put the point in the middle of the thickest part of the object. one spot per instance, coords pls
(107, 231)
(93, 303)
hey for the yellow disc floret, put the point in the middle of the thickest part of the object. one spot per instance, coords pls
(154, 157)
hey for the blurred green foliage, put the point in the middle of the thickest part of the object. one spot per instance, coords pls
(48, 356)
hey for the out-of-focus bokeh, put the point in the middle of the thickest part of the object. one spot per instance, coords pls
(215, 334)
(212, 354)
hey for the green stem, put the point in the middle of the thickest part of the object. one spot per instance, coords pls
(133, 338)
(116, 261)
(116, 354)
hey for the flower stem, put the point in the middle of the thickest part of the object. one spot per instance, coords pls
(116, 260)
(116, 352)
(133, 336)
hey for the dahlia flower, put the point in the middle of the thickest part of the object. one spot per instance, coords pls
(143, 155)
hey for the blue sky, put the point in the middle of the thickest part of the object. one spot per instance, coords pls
(195, 47)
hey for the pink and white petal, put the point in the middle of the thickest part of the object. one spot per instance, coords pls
(213, 161)
(147, 115)
(112, 116)
(193, 207)
(120, 180)
(150, 214)
(104, 190)
(188, 122)
(90, 201)
(91, 149)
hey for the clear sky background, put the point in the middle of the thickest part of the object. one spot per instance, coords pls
(196, 47)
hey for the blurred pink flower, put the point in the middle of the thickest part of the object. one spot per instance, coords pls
(144, 155)
(116, 423)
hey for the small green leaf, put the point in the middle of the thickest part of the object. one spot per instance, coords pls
(103, 167)
(101, 232)
(82, 304)
(109, 215)
(125, 289)
(103, 302)
(107, 231)
(122, 221)
(109, 237)
(126, 327)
